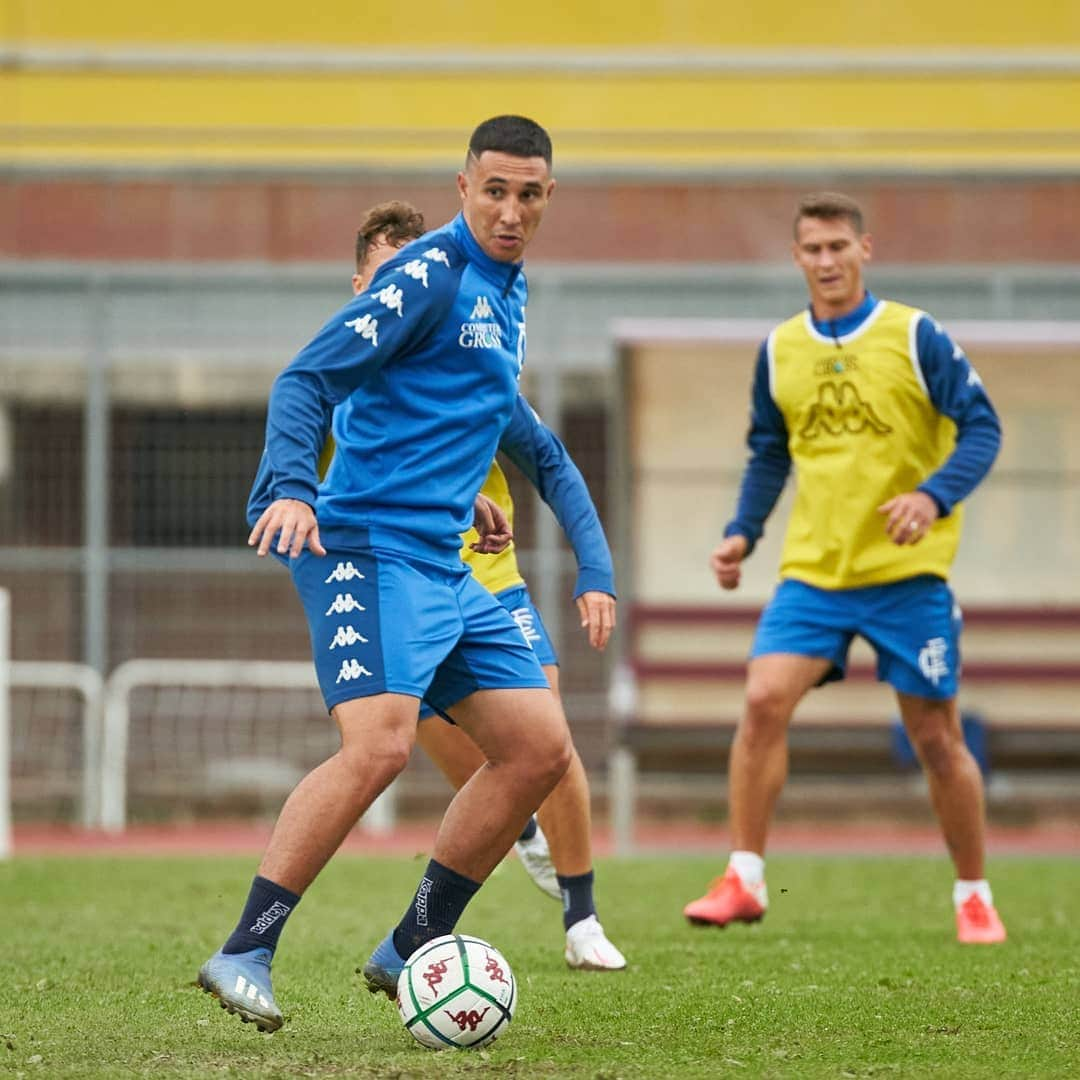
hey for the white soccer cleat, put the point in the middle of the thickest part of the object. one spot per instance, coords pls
(536, 858)
(588, 949)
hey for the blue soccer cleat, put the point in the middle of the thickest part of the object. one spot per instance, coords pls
(241, 982)
(383, 968)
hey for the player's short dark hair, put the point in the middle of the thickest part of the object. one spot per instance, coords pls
(516, 135)
(398, 221)
(828, 206)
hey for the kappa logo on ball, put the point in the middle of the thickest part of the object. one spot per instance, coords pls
(467, 1018)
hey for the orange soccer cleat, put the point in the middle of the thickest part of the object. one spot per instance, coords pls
(977, 923)
(728, 900)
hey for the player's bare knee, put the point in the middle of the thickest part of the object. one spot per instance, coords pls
(768, 709)
(940, 752)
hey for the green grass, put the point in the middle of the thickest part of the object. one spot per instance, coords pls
(855, 972)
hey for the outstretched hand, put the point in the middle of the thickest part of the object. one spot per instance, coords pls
(597, 611)
(726, 561)
(293, 523)
(490, 521)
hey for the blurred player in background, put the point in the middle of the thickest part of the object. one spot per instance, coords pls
(420, 380)
(889, 429)
(565, 813)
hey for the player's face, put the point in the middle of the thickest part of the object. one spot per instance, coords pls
(379, 250)
(831, 254)
(503, 198)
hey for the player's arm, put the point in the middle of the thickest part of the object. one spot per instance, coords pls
(957, 391)
(355, 343)
(537, 451)
(763, 478)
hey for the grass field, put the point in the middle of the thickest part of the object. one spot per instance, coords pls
(855, 972)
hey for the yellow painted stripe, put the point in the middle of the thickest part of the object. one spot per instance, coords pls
(604, 23)
(603, 120)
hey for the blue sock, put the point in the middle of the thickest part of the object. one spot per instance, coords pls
(268, 906)
(577, 898)
(529, 831)
(440, 899)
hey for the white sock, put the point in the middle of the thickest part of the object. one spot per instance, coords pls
(963, 891)
(749, 865)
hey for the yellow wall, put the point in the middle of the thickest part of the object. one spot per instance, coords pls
(430, 23)
(675, 119)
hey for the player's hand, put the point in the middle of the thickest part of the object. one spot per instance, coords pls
(293, 523)
(491, 523)
(909, 516)
(726, 559)
(597, 611)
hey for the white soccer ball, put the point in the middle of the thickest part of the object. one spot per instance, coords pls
(456, 991)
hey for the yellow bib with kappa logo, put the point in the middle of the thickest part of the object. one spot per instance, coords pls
(861, 429)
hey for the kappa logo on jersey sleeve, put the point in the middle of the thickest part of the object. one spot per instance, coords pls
(393, 298)
(417, 270)
(367, 327)
(437, 255)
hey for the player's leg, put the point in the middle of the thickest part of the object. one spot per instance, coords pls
(915, 628)
(566, 819)
(956, 793)
(800, 641)
(523, 737)
(376, 737)
(360, 607)
(457, 758)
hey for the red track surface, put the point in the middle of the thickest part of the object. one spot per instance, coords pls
(232, 838)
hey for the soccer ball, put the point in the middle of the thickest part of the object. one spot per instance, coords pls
(456, 991)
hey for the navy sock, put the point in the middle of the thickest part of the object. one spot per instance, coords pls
(268, 906)
(577, 898)
(529, 831)
(439, 901)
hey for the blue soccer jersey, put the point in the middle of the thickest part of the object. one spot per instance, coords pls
(419, 374)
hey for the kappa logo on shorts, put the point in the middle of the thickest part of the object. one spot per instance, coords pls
(344, 605)
(344, 571)
(523, 616)
(352, 669)
(346, 635)
(932, 662)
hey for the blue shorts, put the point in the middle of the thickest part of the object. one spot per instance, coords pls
(382, 622)
(525, 613)
(914, 627)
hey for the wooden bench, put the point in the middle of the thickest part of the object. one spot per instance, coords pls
(679, 695)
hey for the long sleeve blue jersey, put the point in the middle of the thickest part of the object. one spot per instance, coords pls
(419, 377)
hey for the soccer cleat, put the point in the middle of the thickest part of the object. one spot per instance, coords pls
(977, 923)
(241, 983)
(536, 858)
(588, 949)
(383, 968)
(728, 900)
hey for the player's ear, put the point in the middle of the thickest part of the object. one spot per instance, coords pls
(551, 187)
(462, 185)
(357, 284)
(867, 244)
